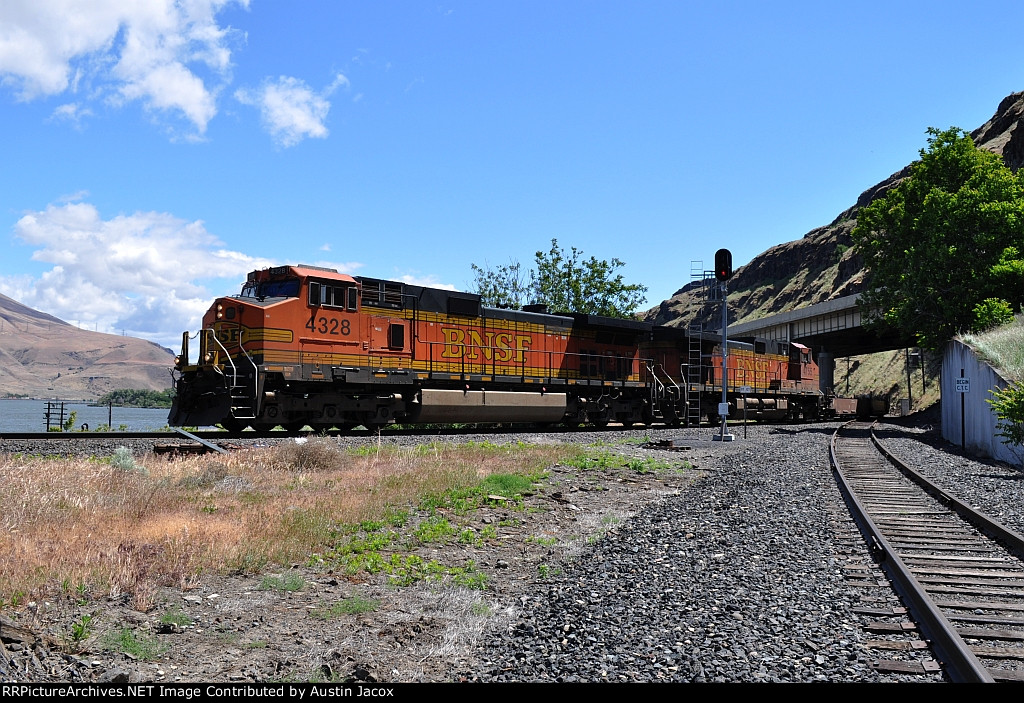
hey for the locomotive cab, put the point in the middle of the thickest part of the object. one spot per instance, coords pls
(802, 368)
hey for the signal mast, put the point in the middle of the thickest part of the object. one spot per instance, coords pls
(723, 272)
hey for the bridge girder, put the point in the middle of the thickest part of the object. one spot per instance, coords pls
(833, 327)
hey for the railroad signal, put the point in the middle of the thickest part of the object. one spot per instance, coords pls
(723, 264)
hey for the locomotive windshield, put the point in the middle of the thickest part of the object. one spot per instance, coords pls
(288, 288)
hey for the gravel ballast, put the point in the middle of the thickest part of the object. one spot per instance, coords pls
(740, 578)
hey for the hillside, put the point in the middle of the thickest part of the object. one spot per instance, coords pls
(821, 266)
(44, 357)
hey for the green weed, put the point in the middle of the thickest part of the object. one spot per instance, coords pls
(127, 641)
(176, 616)
(123, 460)
(81, 629)
(285, 583)
(434, 529)
(547, 571)
(353, 605)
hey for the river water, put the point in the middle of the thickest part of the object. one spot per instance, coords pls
(18, 415)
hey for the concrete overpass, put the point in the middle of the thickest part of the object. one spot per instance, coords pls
(831, 329)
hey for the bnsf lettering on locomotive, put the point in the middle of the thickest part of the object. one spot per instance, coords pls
(754, 365)
(496, 346)
(228, 336)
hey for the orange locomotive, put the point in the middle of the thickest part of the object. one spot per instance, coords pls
(302, 345)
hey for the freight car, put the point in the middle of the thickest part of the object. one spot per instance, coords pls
(304, 345)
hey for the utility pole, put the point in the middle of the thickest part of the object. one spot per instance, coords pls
(910, 393)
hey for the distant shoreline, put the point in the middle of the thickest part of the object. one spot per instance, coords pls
(85, 401)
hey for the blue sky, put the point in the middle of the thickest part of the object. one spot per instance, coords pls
(156, 151)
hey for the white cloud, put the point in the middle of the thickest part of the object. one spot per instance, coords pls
(428, 281)
(291, 111)
(148, 274)
(163, 53)
(347, 267)
(71, 112)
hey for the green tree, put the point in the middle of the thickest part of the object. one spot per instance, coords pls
(565, 282)
(942, 247)
(138, 398)
(503, 287)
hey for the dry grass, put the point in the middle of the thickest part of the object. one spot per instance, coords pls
(104, 528)
(1002, 347)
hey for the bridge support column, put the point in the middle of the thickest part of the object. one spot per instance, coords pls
(826, 371)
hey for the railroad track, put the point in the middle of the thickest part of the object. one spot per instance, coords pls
(959, 573)
(177, 441)
(218, 435)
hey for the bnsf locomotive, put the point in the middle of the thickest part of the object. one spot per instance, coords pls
(303, 345)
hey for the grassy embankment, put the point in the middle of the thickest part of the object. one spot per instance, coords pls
(1002, 348)
(92, 528)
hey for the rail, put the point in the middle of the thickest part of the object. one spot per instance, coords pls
(961, 663)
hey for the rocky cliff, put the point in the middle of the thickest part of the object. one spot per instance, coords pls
(44, 357)
(821, 265)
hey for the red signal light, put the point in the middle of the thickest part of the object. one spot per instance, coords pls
(723, 265)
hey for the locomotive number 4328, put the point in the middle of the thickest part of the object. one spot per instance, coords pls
(329, 325)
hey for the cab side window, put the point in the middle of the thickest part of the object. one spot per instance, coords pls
(332, 296)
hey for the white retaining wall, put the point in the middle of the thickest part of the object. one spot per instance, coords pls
(979, 419)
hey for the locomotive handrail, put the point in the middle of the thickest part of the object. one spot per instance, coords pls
(255, 376)
(247, 356)
(654, 374)
(234, 369)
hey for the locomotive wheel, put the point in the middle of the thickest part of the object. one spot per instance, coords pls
(233, 425)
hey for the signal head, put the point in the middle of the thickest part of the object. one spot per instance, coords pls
(723, 264)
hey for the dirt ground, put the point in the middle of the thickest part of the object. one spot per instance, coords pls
(305, 625)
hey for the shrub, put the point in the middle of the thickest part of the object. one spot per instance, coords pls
(315, 454)
(124, 460)
(992, 312)
(1009, 407)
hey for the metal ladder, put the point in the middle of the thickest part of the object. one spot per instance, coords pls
(694, 371)
(706, 294)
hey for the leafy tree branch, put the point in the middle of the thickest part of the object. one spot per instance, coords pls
(565, 282)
